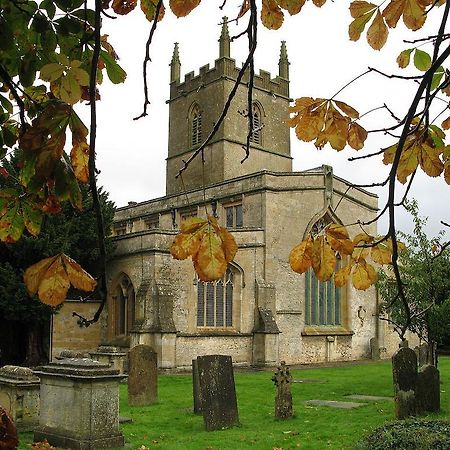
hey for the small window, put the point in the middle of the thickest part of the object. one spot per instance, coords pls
(215, 302)
(120, 229)
(233, 216)
(151, 222)
(256, 136)
(196, 126)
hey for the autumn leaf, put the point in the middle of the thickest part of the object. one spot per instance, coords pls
(413, 12)
(404, 57)
(300, 257)
(187, 243)
(323, 259)
(79, 157)
(51, 278)
(148, 7)
(209, 261)
(182, 8)
(364, 275)
(381, 253)
(338, 238)
(362, 12)
(123, 7)
(292, 6)
(271, 14)
(341, 277)
(357, 135)
(377, 33)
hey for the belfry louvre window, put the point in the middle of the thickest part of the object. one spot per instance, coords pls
(322, 301)
(196, 126)
(215, 302)
(256, 136)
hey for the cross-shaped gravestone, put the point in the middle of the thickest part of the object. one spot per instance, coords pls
(283, 399)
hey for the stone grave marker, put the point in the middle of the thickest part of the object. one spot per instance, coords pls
(19, 395)
(422, 354)
(428, 393)
(283, 399)
(79, 405)
(196, 391)
(142, 376)
(218, 392)
(404, 370)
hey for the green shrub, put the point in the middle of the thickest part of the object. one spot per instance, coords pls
(409, 435)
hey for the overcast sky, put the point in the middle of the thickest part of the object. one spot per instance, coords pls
(131, 154)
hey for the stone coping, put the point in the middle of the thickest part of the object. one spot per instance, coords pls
(83, 368)
(18, 373)
(111, 354)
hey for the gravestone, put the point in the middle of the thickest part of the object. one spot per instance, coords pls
(422, 354)
(218, 392)
(19, 395)
(142, 376)
(79, 405)
(374, 348)
(404, 370)
(196, 391)
(283, 399)
(428, 392)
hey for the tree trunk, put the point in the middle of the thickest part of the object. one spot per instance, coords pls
(35, 351)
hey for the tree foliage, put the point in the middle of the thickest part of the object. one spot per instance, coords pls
(53, 57)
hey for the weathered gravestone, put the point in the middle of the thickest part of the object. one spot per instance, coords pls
(283, 399)
(374, 348)
(404, 370)
(196, 391)
(142, 376)
(79, 405)
(428, 393)
(218, 392)
(19, 395)
(422, 354)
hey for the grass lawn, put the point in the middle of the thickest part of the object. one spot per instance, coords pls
(171, 424)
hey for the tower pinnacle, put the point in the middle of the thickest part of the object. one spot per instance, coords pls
(175, 65)
(283, 63)
(224, 40)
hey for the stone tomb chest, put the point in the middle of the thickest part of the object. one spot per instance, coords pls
(19, 395)
(79, 405)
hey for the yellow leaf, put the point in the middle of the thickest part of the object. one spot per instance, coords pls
(430, 161)
(54, 284)
(33, 274)
(187, 244)
(364, 275)
(79, 157)
(229, 245)
(209, 262)
(408, 162)
(381, 253)
(335, 131)
(69, 89)
(78, 277)
(292, 6)
(182, 8)
(323, 259)
(404, 57)
(337, 236)
(377, 33)
(356, 136)
(389, 154)
(51, 72)
(342, 275)
(300, 258)
(347, 109)
(192, 224)
(271, 14)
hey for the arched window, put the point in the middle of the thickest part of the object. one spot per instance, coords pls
(323, 300)
(215, 302)
(256, 136)
(124, 306)
(196, 125)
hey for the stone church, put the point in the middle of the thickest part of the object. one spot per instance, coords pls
(261, 312)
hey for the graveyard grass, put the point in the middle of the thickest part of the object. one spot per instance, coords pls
(171, 424)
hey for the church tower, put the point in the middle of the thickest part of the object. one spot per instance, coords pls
(196, 103)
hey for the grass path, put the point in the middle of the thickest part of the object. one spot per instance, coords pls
(171, 425)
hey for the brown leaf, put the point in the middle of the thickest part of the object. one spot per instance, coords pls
(356, 136)
(347, 109)
(446, 123)
(244, 8)
(357, 26)
(123, 7)
(271, 14)
(78, 277)
(430, 161)
(292, 6)
(337, 236)
(300, 257)
(54, 284)
(182, 8)
(359, 8)
(323, 259)
(377, 33)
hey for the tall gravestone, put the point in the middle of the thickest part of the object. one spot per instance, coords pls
(218, 392)
(196, 391)
(283, 399)
(79, 405)
(404, 370)
(428, 390)
(142, 376)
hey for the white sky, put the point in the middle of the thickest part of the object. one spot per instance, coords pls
(131, 154)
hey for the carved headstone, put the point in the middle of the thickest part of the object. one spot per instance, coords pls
(404, 370)
(142, 376)
(218, 392)
(197, 394)
(428, 393)
(283, 399)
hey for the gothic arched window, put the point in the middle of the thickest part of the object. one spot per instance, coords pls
(196, 125)
(124, 306)
(256, 136)
(215, 302)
